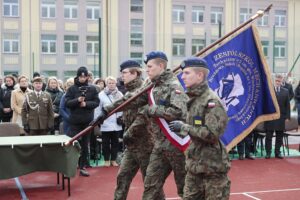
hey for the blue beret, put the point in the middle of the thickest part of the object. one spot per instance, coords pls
(194, 62)
(155, 54)
(129, 64)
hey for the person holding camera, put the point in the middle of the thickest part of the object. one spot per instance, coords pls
(112, 126)
(81, 98)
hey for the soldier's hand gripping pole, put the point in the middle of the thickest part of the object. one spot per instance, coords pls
(259, 13)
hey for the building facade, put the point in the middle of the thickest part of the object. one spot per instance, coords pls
(55, 37)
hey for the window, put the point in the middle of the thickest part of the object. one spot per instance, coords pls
(48, 9)
(197, 45)
(178, 14)
(178, 47)
(263, 21)
(11, 8)
(136, 6)
(69, 74)
(279, 49)
(49, 73)
(245, 14)
(136, 35)
(265, 47)
(280, 18)
(70, 11)
(71, 43)
(92, 12)
(11, 43)
(92, 44)
(10, 73)
(137, 56)
(216, 15)
(48, 44)
(197, 14)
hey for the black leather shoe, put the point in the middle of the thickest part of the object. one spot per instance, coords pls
(249, 157)
(279, 156)
(241, 157)
(268, 156)
(83, 172)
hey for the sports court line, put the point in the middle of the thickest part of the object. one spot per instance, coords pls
(23, 195)
(265, 191)
(247, 193)
(252, 197)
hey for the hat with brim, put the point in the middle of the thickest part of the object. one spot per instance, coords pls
(193, 62)
(154, 55)
(129, 64)
(37, 79)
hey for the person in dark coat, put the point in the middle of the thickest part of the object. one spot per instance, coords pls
(63, 110)
(282, 95)
(289, 87)
(81, 98)
(5, 98)
(56, 94)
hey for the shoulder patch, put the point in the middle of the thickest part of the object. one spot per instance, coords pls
(211, 104)
(178, 92)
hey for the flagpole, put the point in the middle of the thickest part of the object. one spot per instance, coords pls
(258, 14)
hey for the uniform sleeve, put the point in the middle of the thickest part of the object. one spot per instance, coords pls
(138, 102)
(213, 125)
(176, 109)
(138, 124)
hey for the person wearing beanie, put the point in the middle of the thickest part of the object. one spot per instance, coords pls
(17, 100)
(81, 98)
(5, 96)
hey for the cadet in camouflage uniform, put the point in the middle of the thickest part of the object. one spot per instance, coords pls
(207, 162)
(170, 104)
(138, 141)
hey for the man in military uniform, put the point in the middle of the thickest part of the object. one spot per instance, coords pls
(37, 111)
(169, 103)
(137, 139)
(207, 162)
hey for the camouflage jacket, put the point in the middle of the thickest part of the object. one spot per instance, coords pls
(206, 122)
(135, 122)
(170, 103)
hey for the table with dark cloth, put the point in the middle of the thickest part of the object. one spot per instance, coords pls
(20, 155)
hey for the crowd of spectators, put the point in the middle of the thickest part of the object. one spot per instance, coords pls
(74, 104)
(73, 109)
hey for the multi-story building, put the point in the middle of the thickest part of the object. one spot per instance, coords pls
(55, 37)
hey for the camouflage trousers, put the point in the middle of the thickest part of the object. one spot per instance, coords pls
(208, 187)
(162, 162)
(131, 163)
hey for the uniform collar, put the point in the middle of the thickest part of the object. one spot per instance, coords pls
(134, 84)
(197, 90)
(163, 77)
